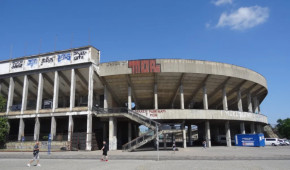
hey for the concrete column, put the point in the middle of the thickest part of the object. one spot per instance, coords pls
(189, 131)
(36, 129)
(39, 93)
(10, 94)
(89, 132)
(129, 131)
(21, 129)
(105, 97)
(24, 94)
(225, 100)
(53, 128)
(181, 97)
(205, 102)
(184, 136)
(155, 96)
(129, 98)
(239, 100)
(55, 91)
(259, 110)
(105, 136)
(256, 110)
(207, 134)
(228, 134)
(253, 128)
(91, 88)
(164, 141)
(72, 89)
(250, 106)
(259, 128)
(112, 133)
(70, 128)
(242, 128)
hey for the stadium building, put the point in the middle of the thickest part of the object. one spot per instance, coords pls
(81, 102)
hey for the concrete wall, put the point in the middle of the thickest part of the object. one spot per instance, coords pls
(203, 114)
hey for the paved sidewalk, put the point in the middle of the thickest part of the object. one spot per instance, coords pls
(193, 153)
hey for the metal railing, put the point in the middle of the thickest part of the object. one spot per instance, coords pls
(146, 120)
(143, 138)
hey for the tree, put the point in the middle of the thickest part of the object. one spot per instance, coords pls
(4, 126)
(284, 127)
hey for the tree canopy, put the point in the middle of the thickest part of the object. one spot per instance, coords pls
(284, 127)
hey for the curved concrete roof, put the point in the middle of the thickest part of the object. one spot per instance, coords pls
(188, 66)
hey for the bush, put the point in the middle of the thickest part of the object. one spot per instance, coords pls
(4, 131)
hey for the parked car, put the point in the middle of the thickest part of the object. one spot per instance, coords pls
(272, 141)
(281, 142)
(287, 142)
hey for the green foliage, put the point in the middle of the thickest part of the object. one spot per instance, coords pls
(2, 104)
(4, 131)
(45, 137)
(284, 127)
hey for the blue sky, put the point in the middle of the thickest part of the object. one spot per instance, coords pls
(249, 33)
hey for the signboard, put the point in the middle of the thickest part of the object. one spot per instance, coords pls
(144, 66)
(47, 61)
(60, 59)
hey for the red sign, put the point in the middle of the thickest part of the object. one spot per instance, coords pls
(144, 66)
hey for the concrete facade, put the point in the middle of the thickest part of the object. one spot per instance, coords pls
(56, 93)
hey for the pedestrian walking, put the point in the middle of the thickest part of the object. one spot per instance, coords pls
(35, 155)
(174, 146)
(204, 144)
(105, 151)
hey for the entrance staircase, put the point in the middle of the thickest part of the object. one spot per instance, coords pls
(155, 127)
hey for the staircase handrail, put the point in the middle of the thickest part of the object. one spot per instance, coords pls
(136, 140)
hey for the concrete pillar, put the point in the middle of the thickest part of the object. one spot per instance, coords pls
(36, 129)
(112, 133)
(39, 93)
(239, 100)
(105, 97)
(242, 128)
(21, 129)
(184, 136)
(91, 88)
(250, 106)
(225, 100)
(155, 96)
(253, 128)
(228, 134)
(89, 132)
(164, 141)
(259, 128)
(207, 134)
(205, 102)
(105, 136)
(259, 110)
(53, 128)
(10, 94)
(256, 109)
(55, 91)
(129, 98)
(189, 131)
(181, 97)
(72, 89)
(24, 94)
(129, 131)
(70, 128)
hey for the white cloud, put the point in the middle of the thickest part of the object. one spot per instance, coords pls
(222, 2)
(244, 18)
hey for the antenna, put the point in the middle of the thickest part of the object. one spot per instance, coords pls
(71, 41)
(89, 37)
(11, 52)
(55, 39)
(25, 49)
(40, 43)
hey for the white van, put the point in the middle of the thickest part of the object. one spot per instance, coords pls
(272, 141)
